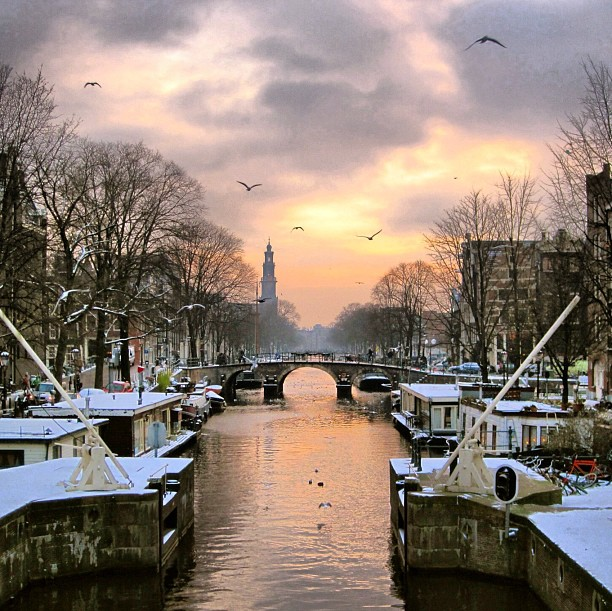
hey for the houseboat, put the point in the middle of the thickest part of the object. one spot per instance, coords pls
(129, 417)
(25, 441)
(429, 413)
(514, 425)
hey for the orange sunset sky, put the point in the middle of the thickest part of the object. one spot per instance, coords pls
(355, 115)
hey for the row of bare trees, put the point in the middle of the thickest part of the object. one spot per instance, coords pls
(106, 238)
(509, 261)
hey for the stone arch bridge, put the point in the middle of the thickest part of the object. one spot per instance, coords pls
(274, 372)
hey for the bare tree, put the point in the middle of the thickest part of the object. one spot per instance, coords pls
(26, 117)
(463, 249)
(133, 200)
(585, 147)
(402, 296)
(206, 271)
(518, 208)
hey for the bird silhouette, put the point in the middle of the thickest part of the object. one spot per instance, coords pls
(298, 227)
(358, 282)
(324, 505)
(92, 83)
(247, 186)
(369, 237)
(483, 40)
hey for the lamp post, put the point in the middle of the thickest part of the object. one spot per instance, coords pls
(432, 343)
(4, 361)
(76, 362)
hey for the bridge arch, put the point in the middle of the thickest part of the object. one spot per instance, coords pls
(344, 373)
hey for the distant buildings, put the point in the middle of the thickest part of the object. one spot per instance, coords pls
(599, 219)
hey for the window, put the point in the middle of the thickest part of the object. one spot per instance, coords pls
(493, 436)
(11, 458)
(530, 437)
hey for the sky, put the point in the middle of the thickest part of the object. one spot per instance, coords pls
(354, 115)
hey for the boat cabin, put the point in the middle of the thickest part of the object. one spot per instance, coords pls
(128, 417)
(429, 412)
(513, 426)
(25, 441)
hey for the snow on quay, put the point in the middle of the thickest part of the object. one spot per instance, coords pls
(582, 529)
(46, 480)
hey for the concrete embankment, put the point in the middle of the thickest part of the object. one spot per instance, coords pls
(48, 532)
(561, 549)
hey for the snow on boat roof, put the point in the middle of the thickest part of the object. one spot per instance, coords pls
(511, 406)
(113, 402)
(41, 429)
(433, 391)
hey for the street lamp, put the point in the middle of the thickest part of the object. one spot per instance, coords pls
(76, 362)
(432, 343)
(4, 361)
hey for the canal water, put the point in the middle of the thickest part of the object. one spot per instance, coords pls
(292, 513)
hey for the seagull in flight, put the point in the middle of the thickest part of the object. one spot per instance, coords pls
(92, 84)
(358, 282)
(485, 39)
(191, 306)
(298, 227)
(247, 186)
(369, 237)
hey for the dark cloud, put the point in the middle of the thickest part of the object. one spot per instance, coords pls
(25, 25)
(337, 35)
(282, 52)
(538, 77)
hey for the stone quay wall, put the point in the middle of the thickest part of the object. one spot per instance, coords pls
(84, 534)
(443, 530)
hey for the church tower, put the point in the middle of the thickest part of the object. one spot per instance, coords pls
(268, 279)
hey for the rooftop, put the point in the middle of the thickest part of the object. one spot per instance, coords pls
(113, 404)
(36, 429)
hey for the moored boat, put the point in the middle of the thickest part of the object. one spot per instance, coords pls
(375, 382)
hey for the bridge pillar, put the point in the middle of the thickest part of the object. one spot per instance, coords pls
(344, 387)
(344, 390)
(270, 386)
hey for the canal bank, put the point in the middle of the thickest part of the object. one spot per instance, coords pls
(561, 550)
(49, 531)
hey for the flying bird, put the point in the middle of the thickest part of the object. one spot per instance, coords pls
(324, 505)
(369, 237)
(298, 227)
(358, 282)
(485, 39)
(92, 83)
(247, 186)
(191, 306)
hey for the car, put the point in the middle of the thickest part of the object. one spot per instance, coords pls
(45, 393)
(118, 386)
(469, 367)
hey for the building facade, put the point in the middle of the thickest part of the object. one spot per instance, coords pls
(599, 235)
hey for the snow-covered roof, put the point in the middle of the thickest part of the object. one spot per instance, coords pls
(447, 392)
(511, 406)
(113, 404)
(41, 429)
(44, 480)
